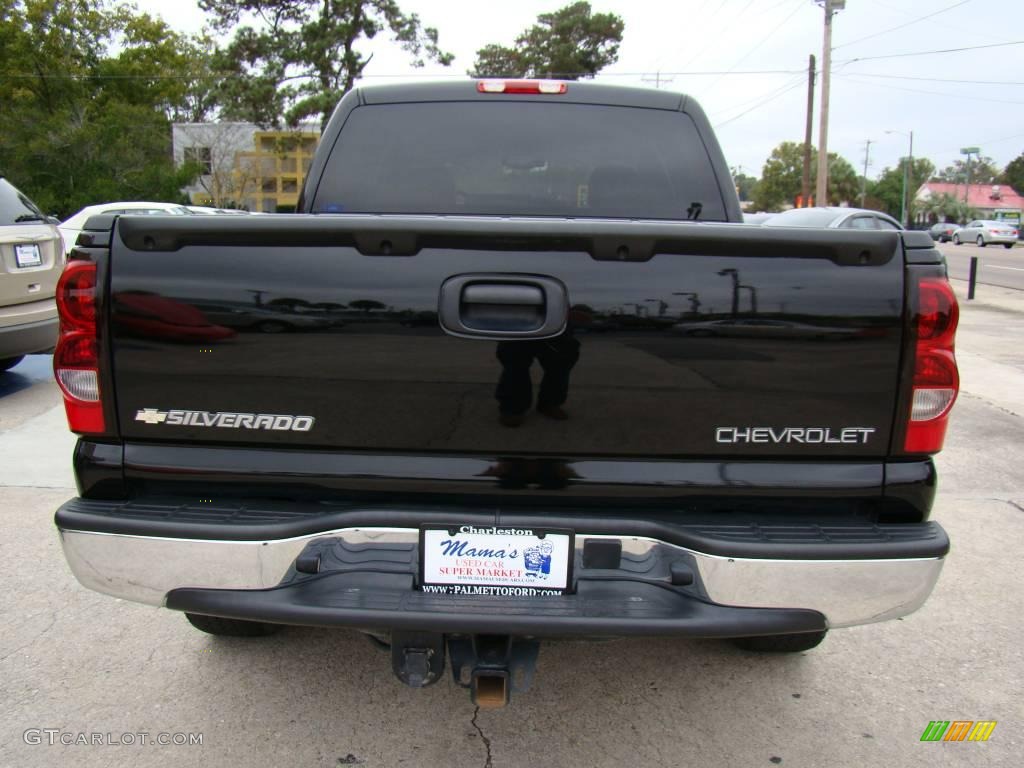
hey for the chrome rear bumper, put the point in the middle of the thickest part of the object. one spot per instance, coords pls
(845, 591)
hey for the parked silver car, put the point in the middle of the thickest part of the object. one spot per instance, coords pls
(982, 232)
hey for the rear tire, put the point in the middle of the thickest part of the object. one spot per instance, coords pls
(981, 242)
(804, 641)
(1007, 245)
(216, 625)
(9, 362)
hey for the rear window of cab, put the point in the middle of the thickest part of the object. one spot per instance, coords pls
(519, 159)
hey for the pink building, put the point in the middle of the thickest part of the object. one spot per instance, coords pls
(991, 201)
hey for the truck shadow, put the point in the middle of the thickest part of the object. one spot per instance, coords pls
(34, 369)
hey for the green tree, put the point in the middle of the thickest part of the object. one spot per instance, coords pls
(294, 59)
(782, 177)
(983, 170)
(745, 184)
(367, 305)
(158, 67)
(1013, 174)
(887, 190)
(947, 207)
(86, 94)
(568, 44)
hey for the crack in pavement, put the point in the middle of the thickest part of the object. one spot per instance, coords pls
(34, 640)
(486, 741)
(989, 402)
(985, 497)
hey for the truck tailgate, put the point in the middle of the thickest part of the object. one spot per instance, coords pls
(684, 340)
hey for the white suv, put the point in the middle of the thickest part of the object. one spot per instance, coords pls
(31, 260)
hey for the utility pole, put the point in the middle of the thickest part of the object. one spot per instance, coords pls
(831, 6)
(657, 79)
(805, 186)
(864, 178)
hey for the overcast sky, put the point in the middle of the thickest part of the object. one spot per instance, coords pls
(705, 48)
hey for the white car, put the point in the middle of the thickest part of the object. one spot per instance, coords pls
(982, 232)
(204, 210)
(71, 227)
(833, 217)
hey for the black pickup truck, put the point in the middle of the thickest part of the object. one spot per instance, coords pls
(333, 418)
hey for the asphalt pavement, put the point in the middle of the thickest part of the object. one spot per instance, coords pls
(76, 662)
(998, 266)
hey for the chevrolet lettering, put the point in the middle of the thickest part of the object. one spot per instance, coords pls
(226, 420)
(811, 435)
(539, 381)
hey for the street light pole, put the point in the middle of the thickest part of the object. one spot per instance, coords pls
(735, 275)
(904, 199)
(906, 186)
(967, 187)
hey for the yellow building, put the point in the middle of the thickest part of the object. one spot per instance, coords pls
(271, 175)
(245, 166)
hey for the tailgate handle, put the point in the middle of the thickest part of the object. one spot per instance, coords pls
(503, 306)
(503, 293)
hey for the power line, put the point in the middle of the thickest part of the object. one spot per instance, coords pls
(988, 142)
(901, 26)
(1004, 138)
(929, 53)
(657, 79)
(764, 39)
(710, 38)
(937, 79)
(852, 78)
(758, 97)
(796, 84)
(959, 32)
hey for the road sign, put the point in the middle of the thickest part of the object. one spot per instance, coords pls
(970, 151)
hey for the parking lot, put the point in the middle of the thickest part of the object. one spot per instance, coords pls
(80, 662)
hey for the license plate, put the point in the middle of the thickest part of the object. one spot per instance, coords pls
(28, 255)
(499, 561)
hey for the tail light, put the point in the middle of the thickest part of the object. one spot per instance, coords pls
(551, 87)
(76, 359)
(936, 380)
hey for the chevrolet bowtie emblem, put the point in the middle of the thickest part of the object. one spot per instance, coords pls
(151, 416)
